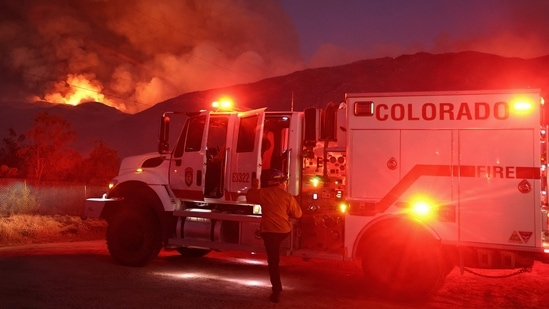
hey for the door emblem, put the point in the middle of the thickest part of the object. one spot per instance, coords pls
(189, 176)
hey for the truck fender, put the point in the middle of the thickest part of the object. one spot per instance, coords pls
(146, 176)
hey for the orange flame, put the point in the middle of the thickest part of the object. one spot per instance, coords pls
(80, 89)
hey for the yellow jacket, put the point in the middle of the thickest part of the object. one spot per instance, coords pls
(277, 207)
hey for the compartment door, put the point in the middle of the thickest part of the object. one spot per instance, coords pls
(374, 163)
(498, 186)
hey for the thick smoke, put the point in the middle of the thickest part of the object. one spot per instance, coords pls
(133, 54)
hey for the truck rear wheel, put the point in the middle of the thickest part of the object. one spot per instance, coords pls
(134, 237)
(403, 262)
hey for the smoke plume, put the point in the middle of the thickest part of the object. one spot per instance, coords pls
(134, 54)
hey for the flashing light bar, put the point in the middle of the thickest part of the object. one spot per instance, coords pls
(223, 103)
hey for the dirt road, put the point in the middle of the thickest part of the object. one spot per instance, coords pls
(83, 275)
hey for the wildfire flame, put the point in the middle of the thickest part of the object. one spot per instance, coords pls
(78, 89)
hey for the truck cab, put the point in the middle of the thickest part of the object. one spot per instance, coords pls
(218, 154)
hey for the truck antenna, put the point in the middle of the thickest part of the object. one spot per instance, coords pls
(292, 107)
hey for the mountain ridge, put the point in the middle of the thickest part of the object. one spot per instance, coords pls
(131, 134)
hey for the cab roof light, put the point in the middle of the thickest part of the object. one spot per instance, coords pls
(224, 103)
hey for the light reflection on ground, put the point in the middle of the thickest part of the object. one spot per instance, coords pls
(199, 276)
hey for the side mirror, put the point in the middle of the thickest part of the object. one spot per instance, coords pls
(311, 126)
(163, 140)
(330, 122)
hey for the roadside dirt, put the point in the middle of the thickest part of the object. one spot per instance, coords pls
(83, 275)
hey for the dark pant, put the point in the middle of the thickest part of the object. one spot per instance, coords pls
(272, 243)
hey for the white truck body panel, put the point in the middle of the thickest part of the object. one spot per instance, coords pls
(470, 152)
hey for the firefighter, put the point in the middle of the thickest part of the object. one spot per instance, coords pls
(277, 207)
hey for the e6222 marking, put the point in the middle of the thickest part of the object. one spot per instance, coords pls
(241, 177)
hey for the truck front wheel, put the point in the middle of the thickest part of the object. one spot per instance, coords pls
(402, 261)
(134, 237)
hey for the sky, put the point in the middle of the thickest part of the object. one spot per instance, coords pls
(134, 56)
(335, 32)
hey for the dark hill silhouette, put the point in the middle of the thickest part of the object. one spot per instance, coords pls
(134, 134)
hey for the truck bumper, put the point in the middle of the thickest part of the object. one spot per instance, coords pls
(93, 207)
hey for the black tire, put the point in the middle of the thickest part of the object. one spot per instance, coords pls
(403, 262)
(134, 237)
(192, 252)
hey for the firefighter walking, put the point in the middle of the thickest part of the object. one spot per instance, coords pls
(278, 207)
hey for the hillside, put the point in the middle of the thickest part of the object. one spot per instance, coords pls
(133, 134)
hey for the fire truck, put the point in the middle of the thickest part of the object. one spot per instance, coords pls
(410, 185)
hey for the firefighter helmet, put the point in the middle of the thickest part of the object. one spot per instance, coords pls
(276, 177)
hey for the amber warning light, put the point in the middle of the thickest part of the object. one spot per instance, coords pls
(422, 207)
(223, 104)
(522, 105)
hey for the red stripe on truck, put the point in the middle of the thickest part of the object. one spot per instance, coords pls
(421, 170)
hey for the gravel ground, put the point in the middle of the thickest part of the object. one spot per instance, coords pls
(83, 275)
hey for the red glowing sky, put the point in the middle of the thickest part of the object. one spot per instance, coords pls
(133, 57)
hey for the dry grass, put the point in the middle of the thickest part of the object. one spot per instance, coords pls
(27, 229)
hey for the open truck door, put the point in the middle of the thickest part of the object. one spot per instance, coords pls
(245, 153)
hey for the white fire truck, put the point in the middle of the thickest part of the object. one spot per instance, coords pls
(408, 184)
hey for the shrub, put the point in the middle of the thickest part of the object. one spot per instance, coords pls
(17, 198)
(46, 198)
